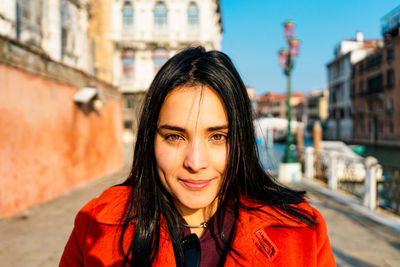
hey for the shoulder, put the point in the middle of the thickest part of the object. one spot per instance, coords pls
(269, 234)
(94, 230)
(253, 213)
(109, 207)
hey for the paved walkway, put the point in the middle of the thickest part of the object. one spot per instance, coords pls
(356, 240)
(37, 237)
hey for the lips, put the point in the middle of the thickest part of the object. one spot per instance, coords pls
(195, 185)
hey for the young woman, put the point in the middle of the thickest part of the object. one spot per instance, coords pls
(197, 194)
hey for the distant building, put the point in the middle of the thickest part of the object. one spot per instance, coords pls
(251, 92)
(143, 35)
(376, 94)
(316, 108)
(347, 53)
(274, 105)
(102, 40)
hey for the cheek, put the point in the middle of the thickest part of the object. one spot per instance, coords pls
(167, 160)
(220, 159)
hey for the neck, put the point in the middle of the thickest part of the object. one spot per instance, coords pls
(203, 225)
(197, 217)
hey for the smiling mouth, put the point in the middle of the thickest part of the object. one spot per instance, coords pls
(195, 185)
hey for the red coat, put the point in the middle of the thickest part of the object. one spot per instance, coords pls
(262, 239)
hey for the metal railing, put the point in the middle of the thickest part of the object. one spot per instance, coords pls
(352, 174)
(389, 189)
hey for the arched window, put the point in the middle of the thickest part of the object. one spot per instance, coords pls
(193, 16)
(160, 16)
(128, 60)
(160, 56)
(127, 16)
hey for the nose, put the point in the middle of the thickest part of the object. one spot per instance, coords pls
(196, 157)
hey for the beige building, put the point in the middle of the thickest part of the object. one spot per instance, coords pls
(317, 105)
(100, 32)
(346, 53)
(274, 105)
(143, 35)
(316, 108)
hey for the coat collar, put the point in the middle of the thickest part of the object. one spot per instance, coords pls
(110, 206)
(250, 230)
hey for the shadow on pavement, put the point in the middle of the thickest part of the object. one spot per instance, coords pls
(352, 261)
(380, 232)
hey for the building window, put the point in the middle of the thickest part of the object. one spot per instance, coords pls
(375, 84)
(128, 60)
(127, 16)
(374, 61)
(29, 21)
(380, 127)
(160, 16)
(349, 113)
(129, 101)
(67, 43)
(380, 107)
(361, 68)
(391, 128)
(160, 56)
(390, 78)
(352, 90)
(389, 54)
(128, 124)
(333, 98)
(193, 16)
(389, 105)
(361, 89)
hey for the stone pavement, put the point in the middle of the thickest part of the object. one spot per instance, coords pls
(37, 237)
(356, 240)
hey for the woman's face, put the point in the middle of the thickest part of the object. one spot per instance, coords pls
(191, 146)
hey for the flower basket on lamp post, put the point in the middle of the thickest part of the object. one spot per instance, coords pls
(289, 170)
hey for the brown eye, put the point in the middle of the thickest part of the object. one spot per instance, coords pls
(219, 138)
(173, 137)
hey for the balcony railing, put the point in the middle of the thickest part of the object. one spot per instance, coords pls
(126, 85)
(374, 90)
(135, 35)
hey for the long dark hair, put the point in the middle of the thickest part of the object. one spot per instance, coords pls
(244, 178)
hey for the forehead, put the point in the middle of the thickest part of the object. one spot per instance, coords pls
(186, 106)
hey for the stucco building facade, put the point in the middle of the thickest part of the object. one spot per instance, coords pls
(275, 105)
(376, 90)
(60, 126)
(145, 34)
(316, 108)
(347, 53)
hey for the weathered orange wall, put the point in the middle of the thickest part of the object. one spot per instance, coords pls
(47, 144)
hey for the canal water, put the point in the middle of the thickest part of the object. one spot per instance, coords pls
(386, 156)
(270, 157)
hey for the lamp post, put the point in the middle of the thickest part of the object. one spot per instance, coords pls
(286, 60)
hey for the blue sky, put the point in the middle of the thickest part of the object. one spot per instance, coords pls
(253, 34)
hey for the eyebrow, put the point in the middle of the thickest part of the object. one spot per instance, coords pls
(180, 129)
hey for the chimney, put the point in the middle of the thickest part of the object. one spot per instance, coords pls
(360, 36)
